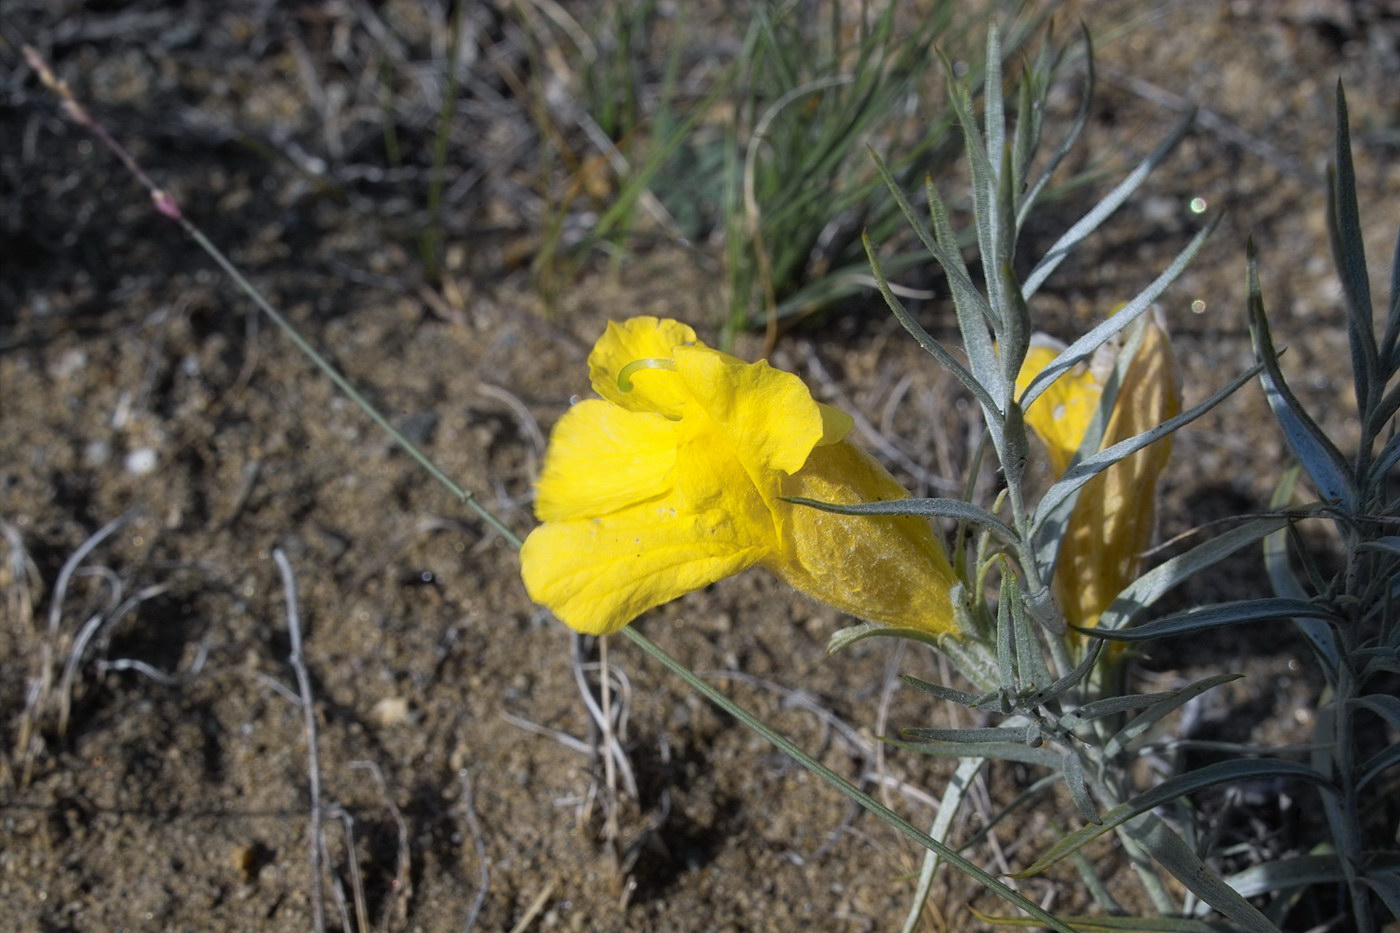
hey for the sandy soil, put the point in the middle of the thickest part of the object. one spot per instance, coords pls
(136, 385)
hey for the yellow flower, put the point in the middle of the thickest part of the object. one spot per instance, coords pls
(1112, 521)
(675, 478)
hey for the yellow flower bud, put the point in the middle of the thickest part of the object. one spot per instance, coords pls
(1112, 521)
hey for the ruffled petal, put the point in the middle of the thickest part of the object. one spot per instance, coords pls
(602, 458)
(766, 416)
(599, 574)
(640, 338)
(886, 569)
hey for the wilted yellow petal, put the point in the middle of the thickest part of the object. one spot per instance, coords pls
(599, 574)
(1060, 416)
(602, 458)
(886, 569)
(1113, 519)
(641, 338)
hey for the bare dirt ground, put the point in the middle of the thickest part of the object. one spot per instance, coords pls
(137, 385)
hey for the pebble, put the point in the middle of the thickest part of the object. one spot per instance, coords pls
(140, 461)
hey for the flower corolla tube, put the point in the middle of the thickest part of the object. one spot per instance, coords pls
(1113, 520)
(677, 477)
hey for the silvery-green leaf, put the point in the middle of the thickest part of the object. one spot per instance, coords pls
(1284, 874)
(1030, 662)
(1001, 751)
(1143, 592)
(1378, 764)
(1319, 456)
(1176, 786)
(1079, 789)
(1081, 119)
(1112, 706)
(1285, 583)
(1083, 471)
(1349, 253)
(925, 340)
(1173, 854)
(1101, 333)
(940, 508)
(1066, 683)
(965, 736)
(1159, 711)
(961, 697)
(1216, 616)
(1101, 211)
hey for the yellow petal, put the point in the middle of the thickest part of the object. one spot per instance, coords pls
(886, 569)
(1113, 519)
(599, 574)
(1060, 416)
(836, 424)
(640, 338)
(602, 458)
(767, 417)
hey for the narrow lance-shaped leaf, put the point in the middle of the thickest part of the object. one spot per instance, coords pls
(1030, 662)
(963, 736)
(1109, 924)
(941, 508)
(1001, 751)
(1084, 347)
(1218, 773)
(1286, 874)
(1309, 444)
(1006, 642)
(1148, 588)
(1378, 764)
(973, 311)
(961, 697)
(925, 340)
(1349, 252)
(1159, 711)
(1086, 469)
(1105, 208)
(980, 160)
(1172, 853)
(1285, 583)
(1208, 617)
(1081, 119)
(1079, 788)
(1390, 345)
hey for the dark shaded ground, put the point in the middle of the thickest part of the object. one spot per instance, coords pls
(134, 381)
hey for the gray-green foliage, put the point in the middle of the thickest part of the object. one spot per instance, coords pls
(1071, 715)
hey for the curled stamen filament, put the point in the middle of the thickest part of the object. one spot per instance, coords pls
(624, 377)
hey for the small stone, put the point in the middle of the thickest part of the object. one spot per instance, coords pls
(390, 711)
(140, 461)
